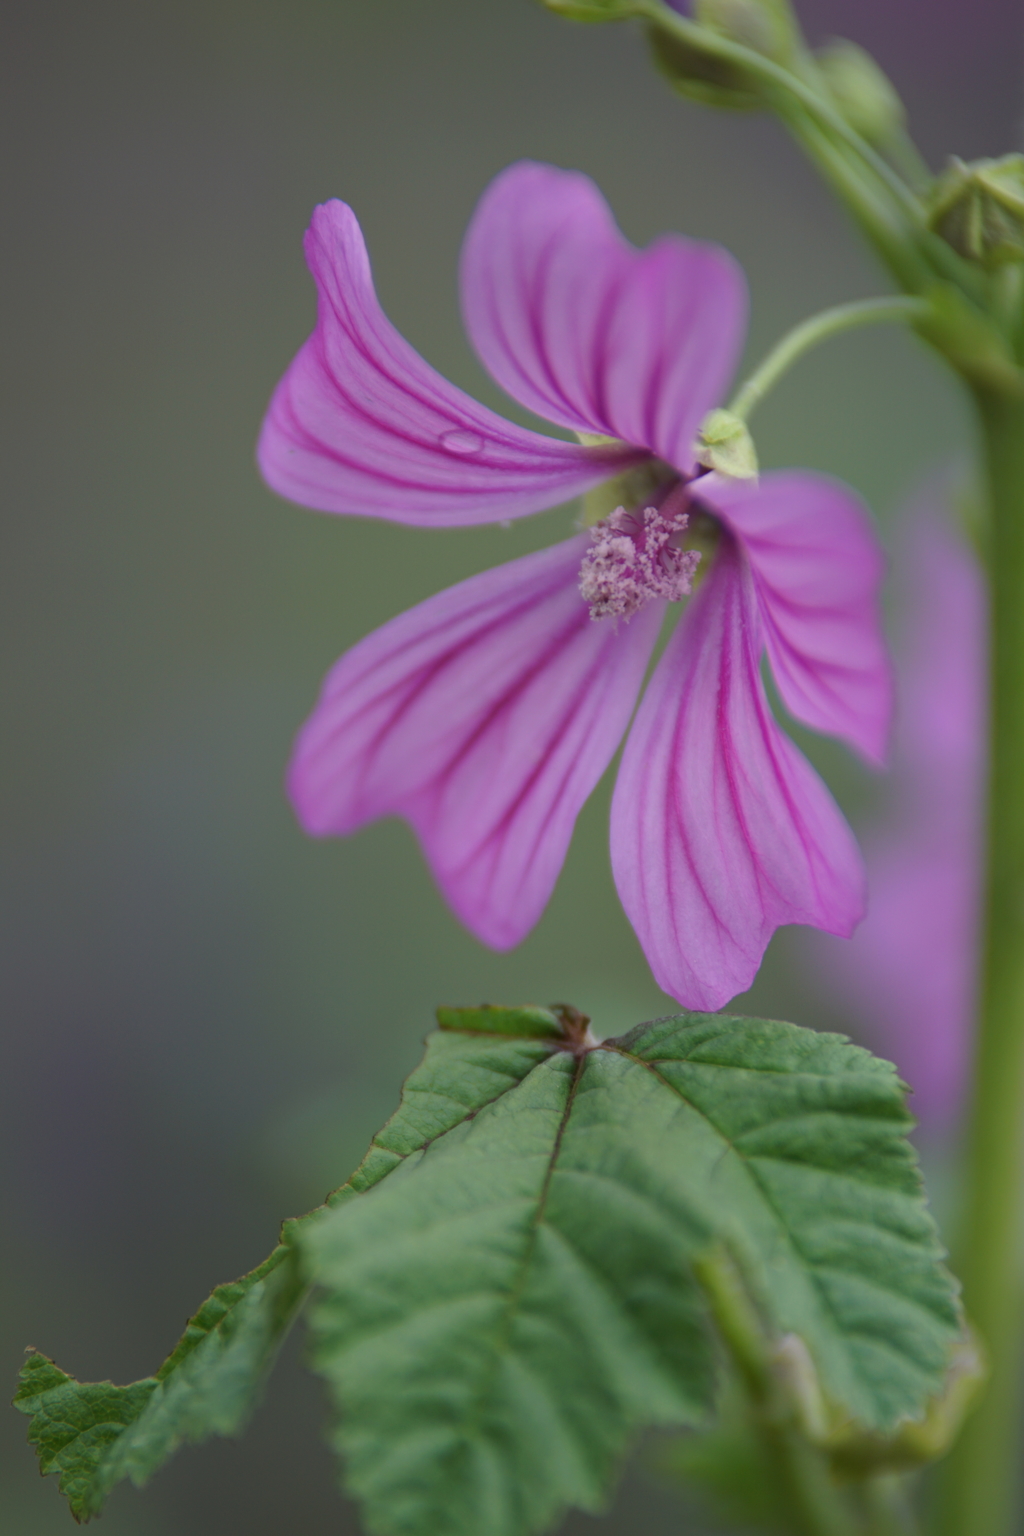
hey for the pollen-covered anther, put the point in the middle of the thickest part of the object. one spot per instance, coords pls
(634, 558)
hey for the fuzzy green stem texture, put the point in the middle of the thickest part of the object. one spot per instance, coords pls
(979, 1483)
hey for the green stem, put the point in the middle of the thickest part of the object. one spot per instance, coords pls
(886, 208)
(886, 1509)
(819, 1506)
(818, 1503)
(778, 79)
(818, 328)
(978, 1484)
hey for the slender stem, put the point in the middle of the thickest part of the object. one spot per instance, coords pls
(819, 1506)
(817, 1502)
(978, 1485)
(886, 1507)
(818, 328)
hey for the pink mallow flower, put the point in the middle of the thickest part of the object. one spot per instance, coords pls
(486, 715)
(908, 979)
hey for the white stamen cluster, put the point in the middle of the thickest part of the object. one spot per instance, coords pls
(632, 559)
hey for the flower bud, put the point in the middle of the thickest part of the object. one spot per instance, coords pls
(863, 94)
(978, 208)
(699, 75)
(764, 26)
(724, 443)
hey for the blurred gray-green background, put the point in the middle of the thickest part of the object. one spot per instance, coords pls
(206, 1015)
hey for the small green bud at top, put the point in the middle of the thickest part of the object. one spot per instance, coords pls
(767, 27)
(863, 94)
(724, 443)
(979, 209)
(764, 26)
(699, 75)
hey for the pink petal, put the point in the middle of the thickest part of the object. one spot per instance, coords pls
(721, 830)
(360, 423)
(589, 332)
(485, 716)
(908, 977)
(817, 567)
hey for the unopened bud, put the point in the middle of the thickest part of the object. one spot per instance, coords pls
(764, 26)
(979, 209)
(724, 443)
(863, 94)
(699, 75)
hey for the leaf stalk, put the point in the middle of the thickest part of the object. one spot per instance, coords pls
(816, 329)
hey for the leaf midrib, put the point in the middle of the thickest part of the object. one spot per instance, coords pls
(503, 1329)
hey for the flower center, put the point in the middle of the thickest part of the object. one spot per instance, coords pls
(635, 557)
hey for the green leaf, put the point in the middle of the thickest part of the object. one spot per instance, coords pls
(498, 1317)
(544, 1023)
(459, 1074)
(93, 1434)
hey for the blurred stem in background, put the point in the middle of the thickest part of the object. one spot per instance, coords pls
(979, 1482)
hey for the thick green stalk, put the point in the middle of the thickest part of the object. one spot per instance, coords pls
(979, 1482)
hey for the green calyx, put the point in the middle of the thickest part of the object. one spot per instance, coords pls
(978, 209)
(724, 443)
(638, 487)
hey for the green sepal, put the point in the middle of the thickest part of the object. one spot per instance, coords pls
(529, 1287)
(636, 488)
(724, 443)
(978, 208)
(93, 1434)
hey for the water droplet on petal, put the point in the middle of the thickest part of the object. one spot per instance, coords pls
(461, 442)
